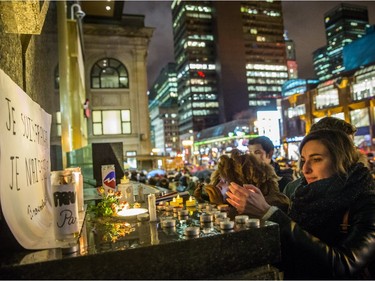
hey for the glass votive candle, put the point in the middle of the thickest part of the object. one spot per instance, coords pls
(169, 208)
(192, 231)
(220, 219)
(202, 206)
(241, 219)
(206, 218)
(168, 223)
(253, 223)
(225, 225)
(220, 215)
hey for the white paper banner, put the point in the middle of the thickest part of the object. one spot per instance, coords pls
(25, 166)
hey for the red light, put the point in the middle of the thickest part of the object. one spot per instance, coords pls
(201, 74)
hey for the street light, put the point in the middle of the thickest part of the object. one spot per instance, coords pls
(79, 14)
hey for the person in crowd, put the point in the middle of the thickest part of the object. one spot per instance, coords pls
(329, 232)
(163, 182)
(142, 177)
(263, 148)
(242, 169)
(134, 176)
(325, 123)
(153, 180)
(185, 183)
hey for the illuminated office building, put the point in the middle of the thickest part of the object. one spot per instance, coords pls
(291, 59)
(231, 60)
(360, 52)
(163, 110)
(343, 24)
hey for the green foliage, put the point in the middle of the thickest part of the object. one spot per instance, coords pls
(108, 205)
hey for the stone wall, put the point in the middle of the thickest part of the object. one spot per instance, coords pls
(30, 59)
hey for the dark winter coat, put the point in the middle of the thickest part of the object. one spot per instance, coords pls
(286, 175)
(315, 245)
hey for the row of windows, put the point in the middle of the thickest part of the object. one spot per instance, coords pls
(111, 122)
(105, 122)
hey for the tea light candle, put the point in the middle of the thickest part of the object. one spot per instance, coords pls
(220, 215)
(206, 218)
(226, 225)
(241, 219)
(179, 199)
(253, 223)
(174, 202)
(168, 223)
(191, 202)
(192, 231)
(219, 220)
(202, 206)
(168, 208)
(213, 213)
(160, 207)
(183, 212)
(124, 179)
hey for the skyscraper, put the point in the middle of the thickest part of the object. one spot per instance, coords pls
(164, 112)
(291, 57)
(343, 24)
(231, 60)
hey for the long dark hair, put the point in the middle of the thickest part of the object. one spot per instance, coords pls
(340, 146)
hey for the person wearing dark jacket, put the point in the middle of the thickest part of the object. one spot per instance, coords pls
(329, 232)
(328, 122)
(263, 148)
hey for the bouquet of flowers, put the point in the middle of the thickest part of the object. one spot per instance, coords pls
(110, 203)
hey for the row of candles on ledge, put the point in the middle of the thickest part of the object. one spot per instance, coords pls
(178, 201)
(209, 215)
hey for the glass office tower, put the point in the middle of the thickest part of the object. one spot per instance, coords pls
(231, 60)
(343, 24)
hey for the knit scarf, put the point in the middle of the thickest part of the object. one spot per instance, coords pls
(316, 203)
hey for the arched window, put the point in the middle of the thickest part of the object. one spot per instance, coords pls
(109, 73)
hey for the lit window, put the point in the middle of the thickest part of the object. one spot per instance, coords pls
(109, 73)
(111, 122)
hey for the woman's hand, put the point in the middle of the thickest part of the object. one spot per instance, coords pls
(215, 194)
(247, 200)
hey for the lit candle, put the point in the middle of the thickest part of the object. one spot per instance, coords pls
(191, 202)
(174, 202)
(124, 180)
(179, 199)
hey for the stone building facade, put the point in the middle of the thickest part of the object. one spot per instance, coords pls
(124, 43)
(30, 56)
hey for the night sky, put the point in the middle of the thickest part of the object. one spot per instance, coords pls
(302, 19)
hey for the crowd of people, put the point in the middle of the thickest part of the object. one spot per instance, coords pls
(179, 180)
(325, 209)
